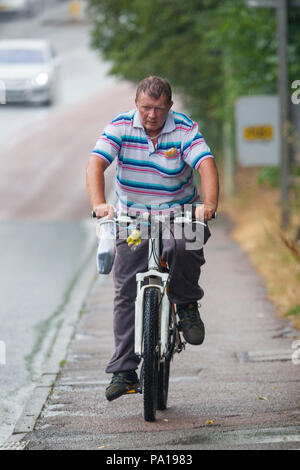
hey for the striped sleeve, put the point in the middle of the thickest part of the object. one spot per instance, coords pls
(109, 144)
(194, 148)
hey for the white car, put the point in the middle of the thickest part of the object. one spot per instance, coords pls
(19, 6)
(28, 71)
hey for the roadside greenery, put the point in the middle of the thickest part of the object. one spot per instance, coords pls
(255, 212)
(212, 51)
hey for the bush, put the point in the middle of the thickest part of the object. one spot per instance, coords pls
(269, 176)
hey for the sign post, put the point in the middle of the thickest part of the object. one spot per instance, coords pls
(284, 106)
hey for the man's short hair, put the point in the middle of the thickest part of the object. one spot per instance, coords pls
(155, 87)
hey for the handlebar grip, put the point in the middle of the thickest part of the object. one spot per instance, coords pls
(93, 215)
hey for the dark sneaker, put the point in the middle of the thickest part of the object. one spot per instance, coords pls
(190, 323)
(122, 383)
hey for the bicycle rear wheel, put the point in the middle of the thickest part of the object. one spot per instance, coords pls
(151, 352)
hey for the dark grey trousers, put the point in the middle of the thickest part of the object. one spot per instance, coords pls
(185, 266)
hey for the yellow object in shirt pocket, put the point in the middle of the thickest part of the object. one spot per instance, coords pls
(171, 153)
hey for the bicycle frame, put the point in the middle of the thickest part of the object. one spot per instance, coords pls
(157, 333)
(158, 280)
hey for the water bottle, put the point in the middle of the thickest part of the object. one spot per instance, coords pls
(106, 251)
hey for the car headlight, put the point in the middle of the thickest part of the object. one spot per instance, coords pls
(41, 79)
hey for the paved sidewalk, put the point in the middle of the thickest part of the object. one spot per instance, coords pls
(231, 392)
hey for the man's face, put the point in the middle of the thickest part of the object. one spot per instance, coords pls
(153, 112)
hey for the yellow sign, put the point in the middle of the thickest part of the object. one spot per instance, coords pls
(261, 132)
(74, 8)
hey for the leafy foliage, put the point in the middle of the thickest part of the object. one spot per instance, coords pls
(269, 175)
(211, 51)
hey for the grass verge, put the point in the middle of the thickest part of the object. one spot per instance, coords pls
(255, 212)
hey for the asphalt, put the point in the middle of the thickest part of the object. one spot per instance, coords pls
(239, 390)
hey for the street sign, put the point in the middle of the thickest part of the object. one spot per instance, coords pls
(258, 130)
(256, 133)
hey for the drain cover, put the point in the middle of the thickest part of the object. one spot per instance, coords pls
(265, 356)
(14, 445)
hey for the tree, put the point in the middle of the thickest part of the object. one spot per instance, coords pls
(212, 51)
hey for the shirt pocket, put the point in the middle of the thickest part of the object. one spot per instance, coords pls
(171, 166)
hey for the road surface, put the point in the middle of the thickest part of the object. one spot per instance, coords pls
(44, 235)
(239, 390)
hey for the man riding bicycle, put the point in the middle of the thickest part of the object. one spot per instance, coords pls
(157, 150)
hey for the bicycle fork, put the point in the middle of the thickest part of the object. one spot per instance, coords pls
(158, 280)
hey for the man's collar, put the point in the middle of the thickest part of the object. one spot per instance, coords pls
(169, 124)
(137, 120)
(168, 127)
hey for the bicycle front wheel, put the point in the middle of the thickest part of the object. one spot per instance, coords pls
(163, 385)
(151, 352)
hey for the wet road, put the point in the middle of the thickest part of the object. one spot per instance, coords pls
(44, 235)
(39, 262)
(81, 72)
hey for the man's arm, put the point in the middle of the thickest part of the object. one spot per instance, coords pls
(95, 184)
(210, 188)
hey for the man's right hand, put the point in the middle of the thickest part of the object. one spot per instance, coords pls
(103, 210)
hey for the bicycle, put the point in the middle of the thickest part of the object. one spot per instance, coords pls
(157, 332)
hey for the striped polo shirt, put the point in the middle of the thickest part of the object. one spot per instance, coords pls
(156, 179)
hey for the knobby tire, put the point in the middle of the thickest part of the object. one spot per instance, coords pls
(163, 385)
(164, 375)
(151, 360)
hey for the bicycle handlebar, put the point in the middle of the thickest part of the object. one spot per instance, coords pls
(93, 215)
